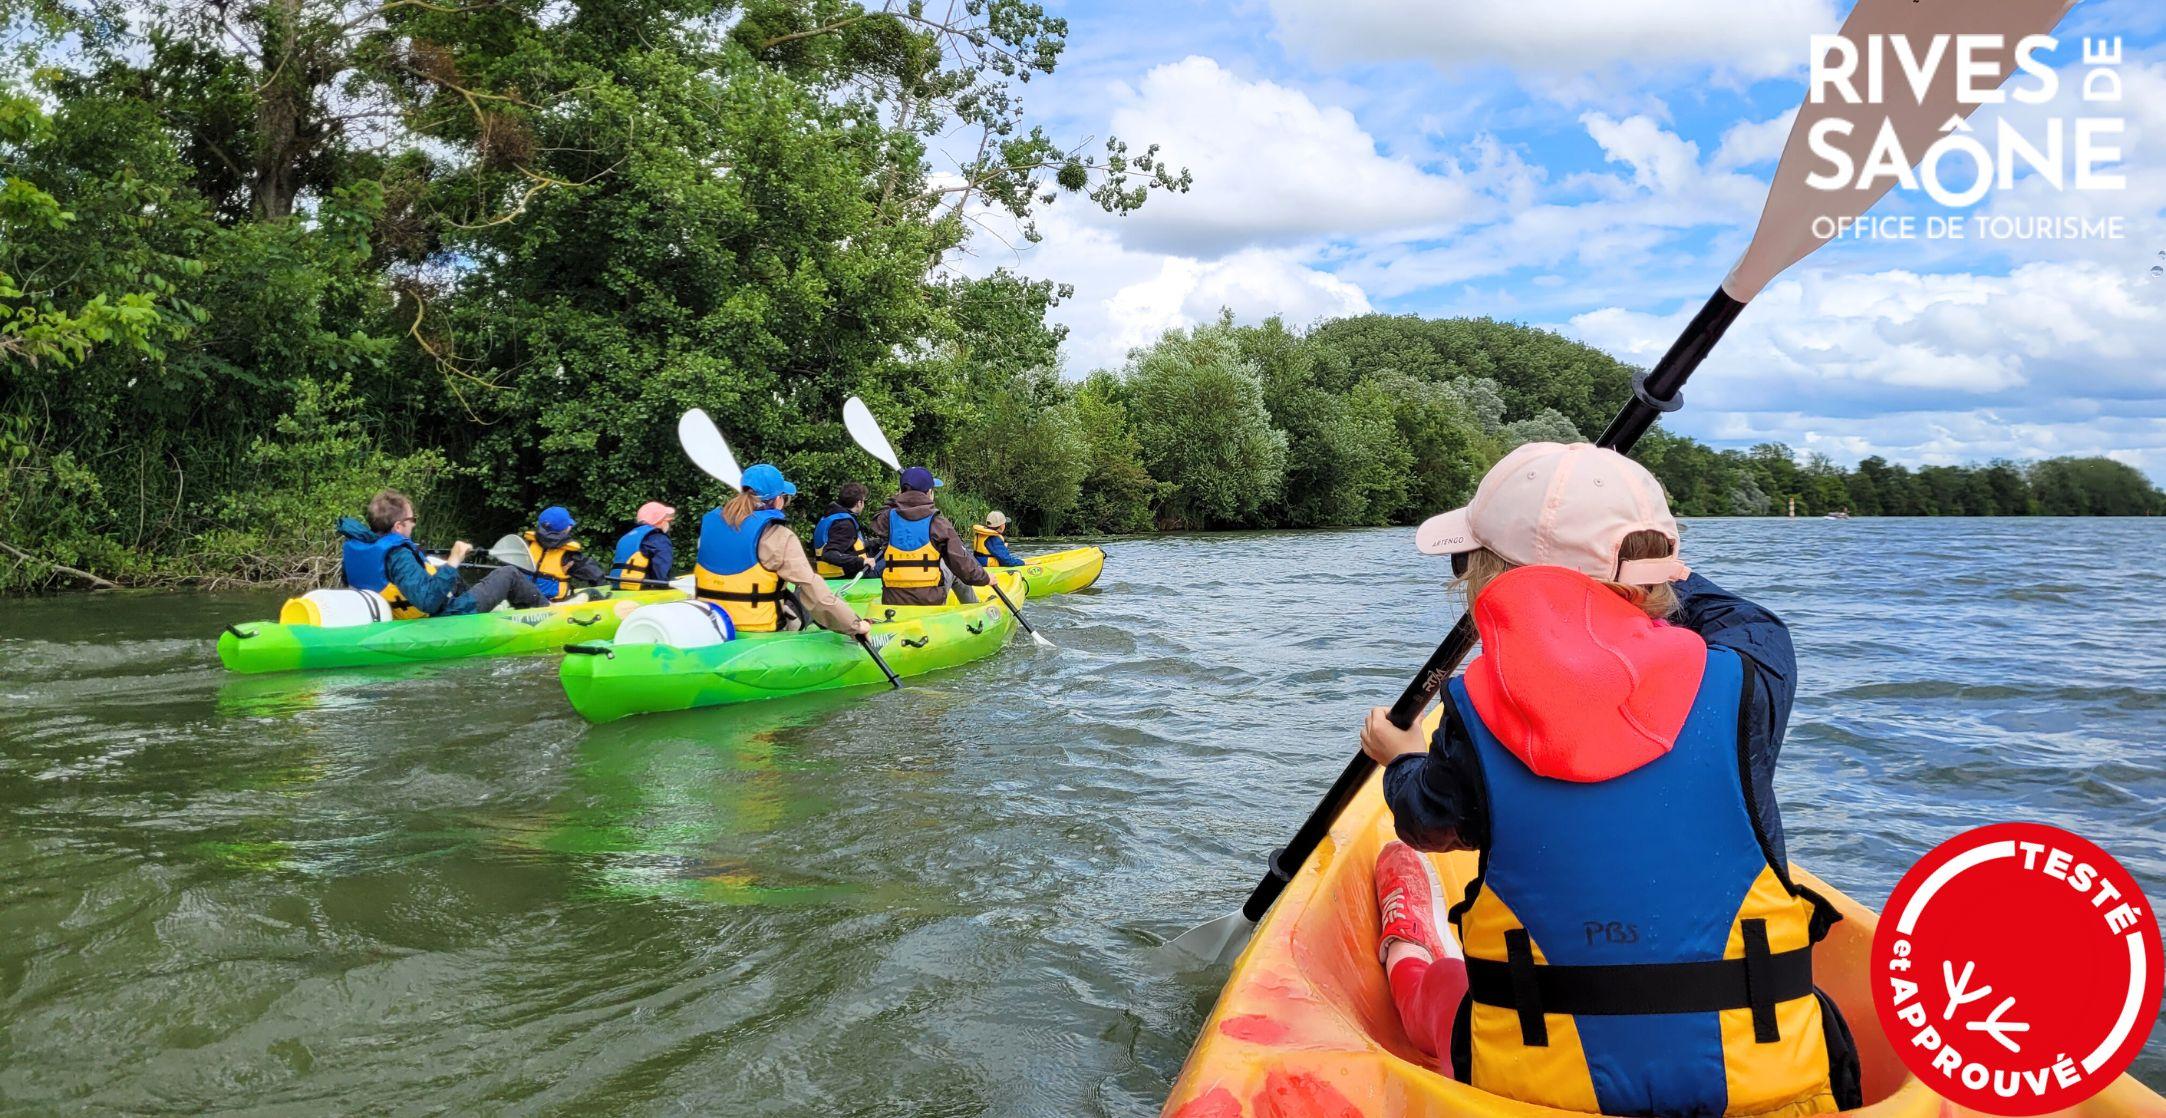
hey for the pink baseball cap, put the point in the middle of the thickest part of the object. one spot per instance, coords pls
(1554, 505)
(653, 513)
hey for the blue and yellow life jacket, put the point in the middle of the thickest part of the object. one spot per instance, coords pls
(819, 543)
(364, 567)
(1631, 948)
(549, 563)
(911, 561)
(629, 567)
(728, 570)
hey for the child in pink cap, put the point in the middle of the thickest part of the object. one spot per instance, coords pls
(1634, 943)
(644, 556)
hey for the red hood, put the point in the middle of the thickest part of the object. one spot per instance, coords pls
(1574, 680)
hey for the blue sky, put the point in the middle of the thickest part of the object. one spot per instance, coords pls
(1595, 168)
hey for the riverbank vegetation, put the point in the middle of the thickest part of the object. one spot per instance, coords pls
(259, 260)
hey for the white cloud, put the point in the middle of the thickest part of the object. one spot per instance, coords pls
(1271, 166)
(1612, 231)
(1254, 284)
(1662, 162)
(2053, 358)
(1126, 297)
(1754, 142)
(1559, 37)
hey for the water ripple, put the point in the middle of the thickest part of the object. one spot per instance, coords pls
(433, 888)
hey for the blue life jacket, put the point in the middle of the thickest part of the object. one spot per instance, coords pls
(905, 534)
(1631, 948)
(728, 570)
(819, 531)
(363, 564)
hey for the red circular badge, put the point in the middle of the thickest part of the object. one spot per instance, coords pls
(2017, 969)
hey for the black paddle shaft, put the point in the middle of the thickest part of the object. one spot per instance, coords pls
(1654, 393)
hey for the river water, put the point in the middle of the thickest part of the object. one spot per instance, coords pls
(434, 889)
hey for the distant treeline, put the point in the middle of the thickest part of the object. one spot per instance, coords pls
(1383, 420)
(257, 261)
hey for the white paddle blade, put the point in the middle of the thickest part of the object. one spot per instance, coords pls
(1801, 217)
(512, 552)
(1215, 944)
(866, 430)
(704, 445)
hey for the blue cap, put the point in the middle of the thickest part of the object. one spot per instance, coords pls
(767, 483)
(920, 479)
(556, 519)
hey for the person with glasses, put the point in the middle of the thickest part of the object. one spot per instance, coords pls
(381, 555)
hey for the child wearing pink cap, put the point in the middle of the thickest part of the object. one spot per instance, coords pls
(1634, 943)
(644, 556)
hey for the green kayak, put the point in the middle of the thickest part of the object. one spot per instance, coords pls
(273, 646)
(606, 681)
(1058, 572)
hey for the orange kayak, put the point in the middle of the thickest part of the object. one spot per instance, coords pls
(1306, 1024)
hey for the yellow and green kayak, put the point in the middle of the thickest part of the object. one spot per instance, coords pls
(1058, 572)
(282, 646)
(607, 681)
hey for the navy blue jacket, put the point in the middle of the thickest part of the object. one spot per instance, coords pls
(660, 556)
(998, 549)
(1439, 802)
(438, 595)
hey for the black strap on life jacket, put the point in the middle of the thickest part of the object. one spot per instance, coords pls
(902, 562)
(1760, 981)
(754, 597)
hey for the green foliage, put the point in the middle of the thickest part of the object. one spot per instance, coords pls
(1388, 445)
(1118, 493)
(321, 456)
(1532, 370)
(2093, 487)
(76, 273)
(1025, 453)
(1197, 409)
(502, 247)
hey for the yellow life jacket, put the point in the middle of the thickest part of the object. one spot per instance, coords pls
(631, 566)
(979, 533)
(728, 571)
(401, 609)
(549, 575)
(912, 561)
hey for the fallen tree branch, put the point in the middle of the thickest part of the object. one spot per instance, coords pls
(86, 576)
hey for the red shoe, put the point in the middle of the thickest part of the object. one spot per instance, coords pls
(1410, 903)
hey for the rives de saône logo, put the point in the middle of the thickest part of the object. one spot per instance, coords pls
(2063, 147)
(2016, 969)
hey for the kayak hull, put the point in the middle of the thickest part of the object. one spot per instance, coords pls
(1306, 1022)
(268, 646)
(607, 681)
(1059, 572)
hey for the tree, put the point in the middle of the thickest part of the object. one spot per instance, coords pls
(1449, 448)
(1199, 418)
(2093, 487)
(1345, 461)
(1118, 494)
(1027, 454)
